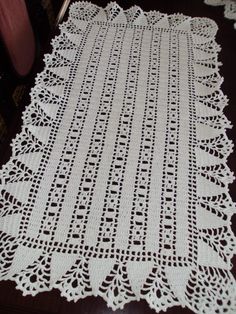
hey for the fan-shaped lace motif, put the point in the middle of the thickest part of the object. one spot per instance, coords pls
(205, 285)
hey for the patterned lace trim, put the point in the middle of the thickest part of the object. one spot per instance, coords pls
(208, 287)
(229, 8)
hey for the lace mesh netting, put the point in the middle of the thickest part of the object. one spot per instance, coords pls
(118, 182)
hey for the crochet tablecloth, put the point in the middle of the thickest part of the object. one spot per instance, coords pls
(118, 184)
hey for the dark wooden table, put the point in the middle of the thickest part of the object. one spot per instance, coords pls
(11, 300)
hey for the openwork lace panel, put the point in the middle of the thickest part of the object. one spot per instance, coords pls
(229, 8)
(118, 184)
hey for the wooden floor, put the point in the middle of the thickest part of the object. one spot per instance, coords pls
(11, 300)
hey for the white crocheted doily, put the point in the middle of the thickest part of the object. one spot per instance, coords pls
(118, 183)
(229, 8)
